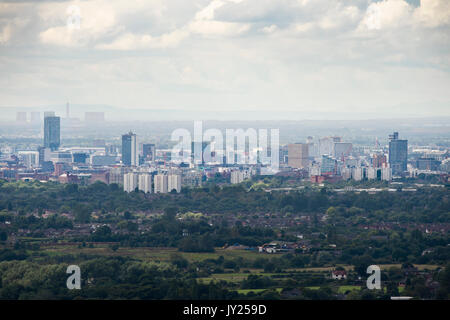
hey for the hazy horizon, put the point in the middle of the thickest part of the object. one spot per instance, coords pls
(228, 59)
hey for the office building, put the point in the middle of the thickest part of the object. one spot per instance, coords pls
(398, 154)
(149, 151)
(80, 157)
(428, 164)
(328, 165)
(51, 132)
(130, 152)
(298, 155)
(103, 160)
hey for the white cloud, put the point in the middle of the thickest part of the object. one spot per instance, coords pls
(5, 34)
(433, 13)
(280, 54)
(387, 14)
(132, 41)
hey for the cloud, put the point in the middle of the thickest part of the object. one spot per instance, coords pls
(272, 54)
(132, 41)
(5, 34)
(433, 13)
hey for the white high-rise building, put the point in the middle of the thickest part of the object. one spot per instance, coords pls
(130, 150)
(145, 183)
(174, 182)
(358, 173)
(161, 183)
(130, 182)
(386, 174)
(372, 173)
(346, 173)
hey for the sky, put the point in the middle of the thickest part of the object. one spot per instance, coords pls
(243, 59)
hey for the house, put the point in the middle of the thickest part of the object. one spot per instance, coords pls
(338, 274)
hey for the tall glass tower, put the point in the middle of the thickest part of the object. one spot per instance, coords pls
(52, 132)
(130, 155)
(398, 154)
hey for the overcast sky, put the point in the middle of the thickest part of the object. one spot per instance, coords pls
(274, 59)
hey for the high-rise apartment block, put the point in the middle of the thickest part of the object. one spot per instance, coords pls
(174, 182)
(145, 182)
(161, 183)
(130, 182)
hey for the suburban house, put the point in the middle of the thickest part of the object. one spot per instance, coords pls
(338, 274)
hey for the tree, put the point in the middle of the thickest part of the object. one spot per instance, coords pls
(361, 263)
(170, 213)
(82, 214)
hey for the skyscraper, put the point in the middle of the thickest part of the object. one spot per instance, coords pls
(398, 154)
(51, 132)
(298, 155)
(149, 151)
(130, 152)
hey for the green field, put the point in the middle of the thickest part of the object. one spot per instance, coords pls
(164, 254)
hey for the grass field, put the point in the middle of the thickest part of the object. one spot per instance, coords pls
(164, 254)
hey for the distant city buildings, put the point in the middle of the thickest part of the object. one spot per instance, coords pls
(238, 176)
(298, 155)
(174, 182)
(145, 182)
(319, 160)
(342, 150)
(130, 152)
(149, 152)
(398, 154)
(51, 131)
(130, 182)
(161, 183)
